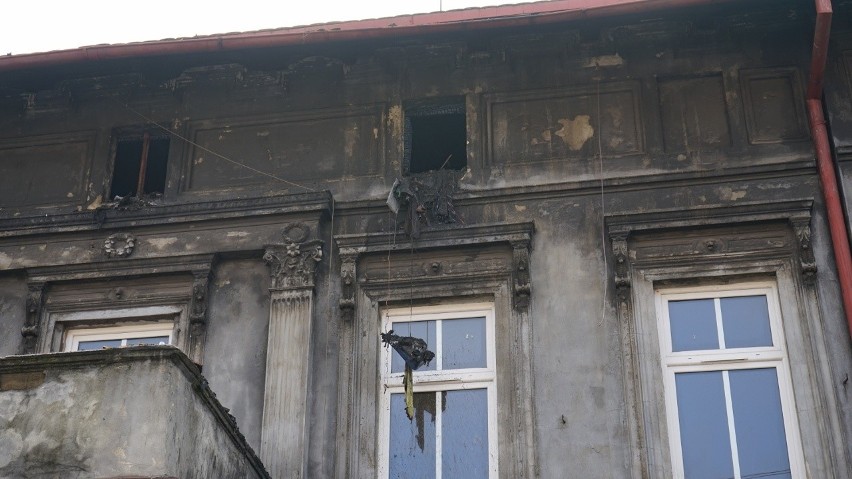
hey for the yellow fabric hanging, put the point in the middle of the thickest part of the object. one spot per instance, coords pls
(408, 384)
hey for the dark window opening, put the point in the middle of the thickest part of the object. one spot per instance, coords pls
(140, 166)
(436, 138)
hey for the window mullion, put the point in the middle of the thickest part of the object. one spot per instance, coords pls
(717, 304)
(439, 424)
(732, 431)
(439, 344)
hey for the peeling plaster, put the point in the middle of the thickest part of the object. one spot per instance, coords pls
(395, 119)
(605, 61)
(160, 243)
(575, 133)
(727, 193)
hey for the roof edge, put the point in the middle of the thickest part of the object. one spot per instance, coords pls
(524, 14)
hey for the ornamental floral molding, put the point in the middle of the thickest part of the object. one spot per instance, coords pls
(293, 265)
(119, 245)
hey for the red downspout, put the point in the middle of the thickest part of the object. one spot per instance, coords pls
(825, 162)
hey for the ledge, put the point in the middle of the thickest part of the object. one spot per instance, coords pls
(622, 224)
(166, 214)
(13, 366)
(438, 237)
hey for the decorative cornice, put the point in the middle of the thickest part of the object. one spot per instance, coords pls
(796, 213)
(439, 237)
(166, 214)
(131, 267)
(627, 223)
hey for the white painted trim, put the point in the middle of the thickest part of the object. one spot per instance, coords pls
(73, 337)
(438, 380)
(726, 360)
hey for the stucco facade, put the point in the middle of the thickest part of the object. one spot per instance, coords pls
(607, 160)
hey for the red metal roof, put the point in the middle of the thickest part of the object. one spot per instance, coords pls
(449, 21)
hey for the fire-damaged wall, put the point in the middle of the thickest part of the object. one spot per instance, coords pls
(587, 145)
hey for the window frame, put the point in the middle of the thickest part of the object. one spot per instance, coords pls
(435, 381)
(722, 360)
(74, 336)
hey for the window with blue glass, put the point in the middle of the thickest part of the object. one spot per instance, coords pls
(729, 398)
(145, 334)
(453, 431)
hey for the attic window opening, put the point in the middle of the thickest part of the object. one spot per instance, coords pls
(435, 138)
(140, 165)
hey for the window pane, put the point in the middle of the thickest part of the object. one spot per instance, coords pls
(463, 343)
(464, 433)
(703, 420)
(412, 442)
(693, 324)
(761, 440)
(745, 321)
(418, 329)
(92, 345)
(148, 341)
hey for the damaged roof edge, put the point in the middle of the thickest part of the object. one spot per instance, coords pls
(439, 22)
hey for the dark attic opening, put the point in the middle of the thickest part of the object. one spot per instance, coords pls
(435, 138)
(140, 165)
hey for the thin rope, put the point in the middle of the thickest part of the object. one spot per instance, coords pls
(603, 208)
(208, 150)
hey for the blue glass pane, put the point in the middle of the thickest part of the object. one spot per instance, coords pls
(92, 345)
(745, 321)
(703, 420)
(424, 330)
(463, 343)
(759, 424)
(412, 442)
(464, 434)
(158, 340)
(693, 325)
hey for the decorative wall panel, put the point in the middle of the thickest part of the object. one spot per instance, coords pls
(299, 148)
(547, 125)
(45, 170)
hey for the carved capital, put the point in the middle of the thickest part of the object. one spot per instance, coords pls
(622, 270)
(521, 285)
(35, 303)
(807, 262)
(293, 265)
(347, 286)
(119, 245)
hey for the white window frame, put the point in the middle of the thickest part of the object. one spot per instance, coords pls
(774, 356)
(437, 380)
(73, 337)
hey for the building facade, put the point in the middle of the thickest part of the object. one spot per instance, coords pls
(606, 220)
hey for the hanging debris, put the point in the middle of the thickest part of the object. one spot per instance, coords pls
(426, 199)
(413, 351)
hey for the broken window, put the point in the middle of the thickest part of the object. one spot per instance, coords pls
(453, 431)
(140, 165)
(435, 138)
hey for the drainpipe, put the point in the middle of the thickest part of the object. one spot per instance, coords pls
(824, 160)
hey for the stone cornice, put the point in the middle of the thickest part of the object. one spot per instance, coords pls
(437, 237)
(166, 214)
